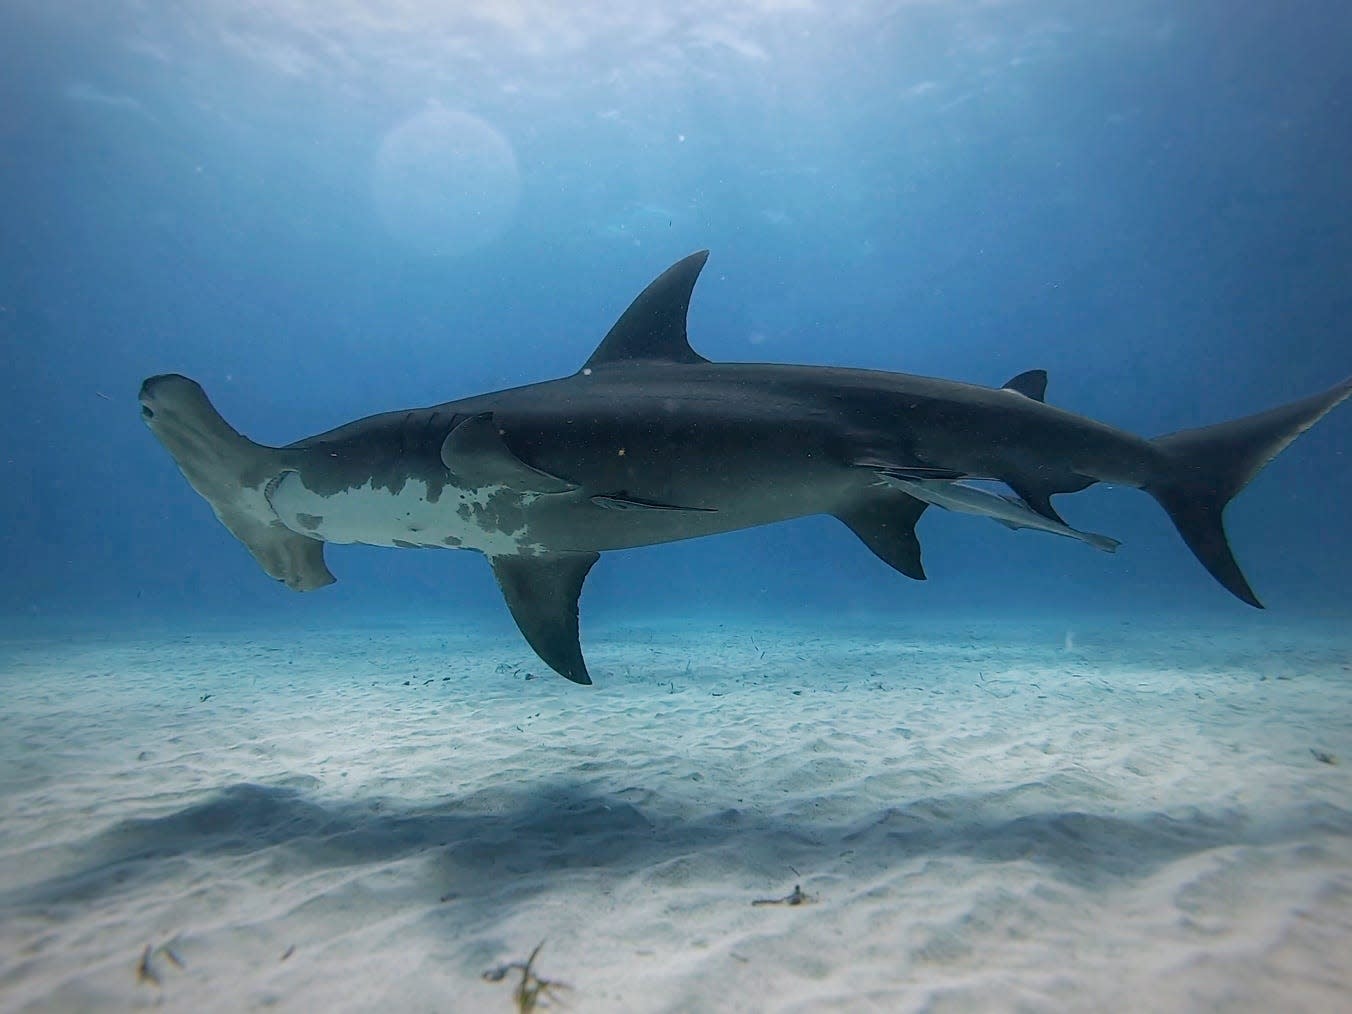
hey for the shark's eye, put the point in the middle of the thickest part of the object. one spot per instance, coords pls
(147, 412)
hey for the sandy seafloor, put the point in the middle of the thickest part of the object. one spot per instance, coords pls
(985, 816)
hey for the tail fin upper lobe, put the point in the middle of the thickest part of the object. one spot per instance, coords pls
(1210, 465)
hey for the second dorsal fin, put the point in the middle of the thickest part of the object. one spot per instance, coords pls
(1032, 384)
(653, 328)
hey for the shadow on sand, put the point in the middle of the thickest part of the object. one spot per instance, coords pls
(509, 847)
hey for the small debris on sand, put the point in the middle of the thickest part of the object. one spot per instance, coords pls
(532, 991)
(795, 897)
(145, 971)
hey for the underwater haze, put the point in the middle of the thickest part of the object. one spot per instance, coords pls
(1149, 202)
(323, 211)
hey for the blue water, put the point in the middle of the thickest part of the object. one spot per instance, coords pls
(1149, 200)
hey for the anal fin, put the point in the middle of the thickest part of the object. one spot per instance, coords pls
(542, 593)
(1038, 500)
(1037, 491)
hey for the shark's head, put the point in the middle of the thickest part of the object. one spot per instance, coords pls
(205, 446)
(181, 416)
(233, 474)
(171, 399)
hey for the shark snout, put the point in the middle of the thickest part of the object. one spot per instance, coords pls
(148, 399)
(147, 396)
(166, 392)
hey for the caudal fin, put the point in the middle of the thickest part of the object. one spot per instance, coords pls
(1210, 465)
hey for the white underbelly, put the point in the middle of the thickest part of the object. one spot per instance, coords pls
(491, 519)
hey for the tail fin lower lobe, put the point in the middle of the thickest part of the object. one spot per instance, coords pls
(1209, 466)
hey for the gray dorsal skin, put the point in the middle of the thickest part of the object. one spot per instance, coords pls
(652, 443)
(1032, 384)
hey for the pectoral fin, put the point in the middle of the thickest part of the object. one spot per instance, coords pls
(477, 455)
(542, 593)
(295, 560)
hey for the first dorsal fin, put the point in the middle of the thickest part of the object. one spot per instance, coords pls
(1032, 384)
(653, 328)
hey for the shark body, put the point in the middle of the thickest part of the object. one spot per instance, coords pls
(649, 443)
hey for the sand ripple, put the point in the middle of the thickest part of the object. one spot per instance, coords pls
(371, 818)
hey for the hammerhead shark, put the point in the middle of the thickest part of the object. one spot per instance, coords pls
(649, 442)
